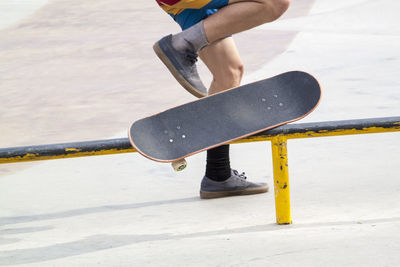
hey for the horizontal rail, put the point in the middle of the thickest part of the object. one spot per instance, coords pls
(329, 128)
(65, 150)
(122, 145)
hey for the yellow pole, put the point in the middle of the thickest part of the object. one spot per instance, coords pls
(281, 179)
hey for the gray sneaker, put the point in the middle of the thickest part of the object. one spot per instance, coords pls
(182, 65)
(233, 186)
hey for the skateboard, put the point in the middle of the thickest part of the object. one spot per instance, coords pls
(182, 131)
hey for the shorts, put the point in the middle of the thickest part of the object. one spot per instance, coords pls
(189, 12)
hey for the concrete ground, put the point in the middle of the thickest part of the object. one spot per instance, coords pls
(83, 70)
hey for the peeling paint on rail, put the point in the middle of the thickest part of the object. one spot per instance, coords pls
(122, 145)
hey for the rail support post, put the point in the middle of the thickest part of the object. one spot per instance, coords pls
(281, 179)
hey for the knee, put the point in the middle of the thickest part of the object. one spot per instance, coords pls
(280, 7)
(276, 8)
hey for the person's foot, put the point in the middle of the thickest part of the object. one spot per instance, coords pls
(233, 186)
(182, 65)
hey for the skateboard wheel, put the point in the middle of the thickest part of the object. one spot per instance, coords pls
(179, 165)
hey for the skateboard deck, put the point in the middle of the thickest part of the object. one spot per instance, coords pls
(188, 129)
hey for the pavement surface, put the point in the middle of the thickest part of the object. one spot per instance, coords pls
(84, 70)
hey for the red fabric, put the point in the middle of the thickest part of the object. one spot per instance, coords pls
(168, 2)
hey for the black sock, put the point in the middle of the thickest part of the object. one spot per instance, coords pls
(218, 166)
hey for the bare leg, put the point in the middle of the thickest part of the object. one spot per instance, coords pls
(223, 60)
(241, 15)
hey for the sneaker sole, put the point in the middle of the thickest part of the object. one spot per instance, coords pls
(188, 87)
(250, 191)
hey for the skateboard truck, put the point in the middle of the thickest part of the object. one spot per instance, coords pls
(179, 165)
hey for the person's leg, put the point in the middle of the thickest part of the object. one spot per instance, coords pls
(233, 16)
(203, 26)
(223, 61)
(241, 15)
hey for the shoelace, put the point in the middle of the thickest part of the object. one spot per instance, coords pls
(242, 175)
(191, 56)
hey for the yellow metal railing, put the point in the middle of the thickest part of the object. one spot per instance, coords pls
(277, 136)
(281, 179)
